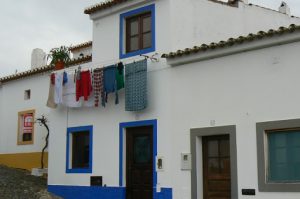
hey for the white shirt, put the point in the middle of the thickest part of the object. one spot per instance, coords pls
(58, 88)
(69, 93)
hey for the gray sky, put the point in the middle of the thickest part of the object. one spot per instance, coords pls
(30, 24)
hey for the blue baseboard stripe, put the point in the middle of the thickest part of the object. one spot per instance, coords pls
(87, 192)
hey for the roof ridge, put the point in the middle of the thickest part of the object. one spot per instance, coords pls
(232, 41)
(42, 69)
(81, 45)
(102, 6)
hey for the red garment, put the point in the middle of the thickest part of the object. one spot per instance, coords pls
(84, 85)
(52, 77)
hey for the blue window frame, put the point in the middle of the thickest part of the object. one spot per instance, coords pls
(123, 17)
(85, 135)
(284, 158)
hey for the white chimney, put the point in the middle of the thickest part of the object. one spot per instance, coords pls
(284, 8)
(38, 58)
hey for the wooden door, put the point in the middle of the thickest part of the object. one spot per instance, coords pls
(216, 167)
(139, 163)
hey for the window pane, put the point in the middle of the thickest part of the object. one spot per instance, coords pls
(284, 161)
(224, 148)
(80, 149)
(147, 40)
(134, 44)
(134, 27)
(213, 149)
(225, 165)
(142, 149)
(147, 24)
(213, 165)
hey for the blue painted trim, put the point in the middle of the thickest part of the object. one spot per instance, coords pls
(120, 155)
(125, 15)
(82, 192)
(70, 131)
(124, 125)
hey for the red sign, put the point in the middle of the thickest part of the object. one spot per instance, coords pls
(28, 123)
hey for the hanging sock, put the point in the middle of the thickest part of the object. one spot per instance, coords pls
(110, 83)
(136, 86)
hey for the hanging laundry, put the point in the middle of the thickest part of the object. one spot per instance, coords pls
(120, 76)
(91, 99)
(65, 77)
(83, 85)
(110, 84)
(50, 101)
(78, 73)
(52, 79)
(58, 88)
(136, 86)
(69, 93)
(98, 86)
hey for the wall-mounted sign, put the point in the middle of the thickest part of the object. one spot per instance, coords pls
(27, 123)
(186, 161)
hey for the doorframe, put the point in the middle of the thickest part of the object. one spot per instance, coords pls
(195, 140)
(122, 149)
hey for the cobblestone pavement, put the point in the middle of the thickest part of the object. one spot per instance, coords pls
(19, 184)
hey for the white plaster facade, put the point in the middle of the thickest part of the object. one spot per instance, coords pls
(12, 101)
(240, 89)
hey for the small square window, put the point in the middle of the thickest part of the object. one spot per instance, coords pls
(27, 94)
(278, 149)
(25, 127)
(137, 31)
(79, 149)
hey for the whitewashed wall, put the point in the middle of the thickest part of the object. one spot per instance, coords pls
(239, 90)
(236, 90)
(194, 22)
(12, 101)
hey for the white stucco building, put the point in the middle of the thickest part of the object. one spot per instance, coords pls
(221, 119)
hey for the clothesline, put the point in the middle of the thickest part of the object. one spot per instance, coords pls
(110, 62)
(86, 89)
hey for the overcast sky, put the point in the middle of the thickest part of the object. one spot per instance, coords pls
(45, 24)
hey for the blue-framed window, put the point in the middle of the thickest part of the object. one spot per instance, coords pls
(137, 31)
(79, 157)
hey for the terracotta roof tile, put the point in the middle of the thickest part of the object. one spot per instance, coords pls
(103, 5)
(80, 46)
(233, 41)
(43, 69)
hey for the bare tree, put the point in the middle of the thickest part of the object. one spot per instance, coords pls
(42, 121)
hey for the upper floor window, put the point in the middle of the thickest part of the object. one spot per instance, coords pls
(137, 31)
